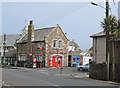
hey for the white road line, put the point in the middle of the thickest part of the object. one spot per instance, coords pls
(49, 83)
(46, 82)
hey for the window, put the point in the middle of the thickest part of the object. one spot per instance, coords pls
(87, 65)
(60, 44)
(73, 59)
(55, 44)
(39, 58)
(22, 57)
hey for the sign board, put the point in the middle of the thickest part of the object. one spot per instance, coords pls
(34, 65)
(34, 59)
(30, 54)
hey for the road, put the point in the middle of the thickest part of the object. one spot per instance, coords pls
(47, 77)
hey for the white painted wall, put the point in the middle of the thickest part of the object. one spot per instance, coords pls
(86, 59)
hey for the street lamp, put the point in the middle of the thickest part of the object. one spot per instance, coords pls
(93, 3)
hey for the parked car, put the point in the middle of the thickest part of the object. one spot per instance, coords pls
(83, 67)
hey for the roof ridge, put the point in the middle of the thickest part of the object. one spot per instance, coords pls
(44, 28)
(97, 33)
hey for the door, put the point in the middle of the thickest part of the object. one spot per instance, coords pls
(53, 61)
(59, 61)
(49, 62)
(86, 67)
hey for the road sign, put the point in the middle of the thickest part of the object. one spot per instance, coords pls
(34, 65)
(30, 54)
(34, 59)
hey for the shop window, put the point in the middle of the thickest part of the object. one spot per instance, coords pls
(74, 59)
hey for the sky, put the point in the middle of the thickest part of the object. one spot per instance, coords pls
(78, 19)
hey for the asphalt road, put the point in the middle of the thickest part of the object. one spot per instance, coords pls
(46, 77)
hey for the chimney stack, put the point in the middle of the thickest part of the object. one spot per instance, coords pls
(31, 30)
(30, 36)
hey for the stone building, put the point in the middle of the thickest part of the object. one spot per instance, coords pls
(48, 45)
(9, 49)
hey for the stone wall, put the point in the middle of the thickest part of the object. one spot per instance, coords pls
(115, 61)
(117, 71)
(98, 71)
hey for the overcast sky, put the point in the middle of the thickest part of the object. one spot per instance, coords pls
(78, 19)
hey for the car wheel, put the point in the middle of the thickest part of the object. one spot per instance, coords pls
(80, 69)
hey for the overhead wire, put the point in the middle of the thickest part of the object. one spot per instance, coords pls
(62, 13)
(115, 5)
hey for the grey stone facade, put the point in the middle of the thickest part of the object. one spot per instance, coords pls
(45, 37)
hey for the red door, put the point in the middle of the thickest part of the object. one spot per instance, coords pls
(49, 62)
(59, 59)
(55, 61)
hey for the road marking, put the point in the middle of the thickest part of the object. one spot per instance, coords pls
(49, 83)
(105, 81)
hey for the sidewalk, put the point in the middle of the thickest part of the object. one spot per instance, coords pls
(13, 67)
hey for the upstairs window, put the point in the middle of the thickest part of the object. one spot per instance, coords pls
(60, 44)
(55, 44)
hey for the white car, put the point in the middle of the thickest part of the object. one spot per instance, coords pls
(83, 67)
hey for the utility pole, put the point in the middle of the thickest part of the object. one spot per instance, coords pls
(107, 39)
(107, 36)
(4, 44)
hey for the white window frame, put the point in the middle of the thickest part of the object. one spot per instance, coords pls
(22, 59)
(40, 57)
(60, 46)
(55, 43)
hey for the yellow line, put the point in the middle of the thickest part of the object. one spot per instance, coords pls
(105, 81)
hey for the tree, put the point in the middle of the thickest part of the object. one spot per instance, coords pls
(109, 23)
(113, 26)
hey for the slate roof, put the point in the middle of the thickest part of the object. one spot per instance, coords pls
(71, 43)
(100, 34)
(11, 53)
(10, 39)
(39, 34)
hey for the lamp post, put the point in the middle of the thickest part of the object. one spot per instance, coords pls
(107, 34)
(4, 43)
